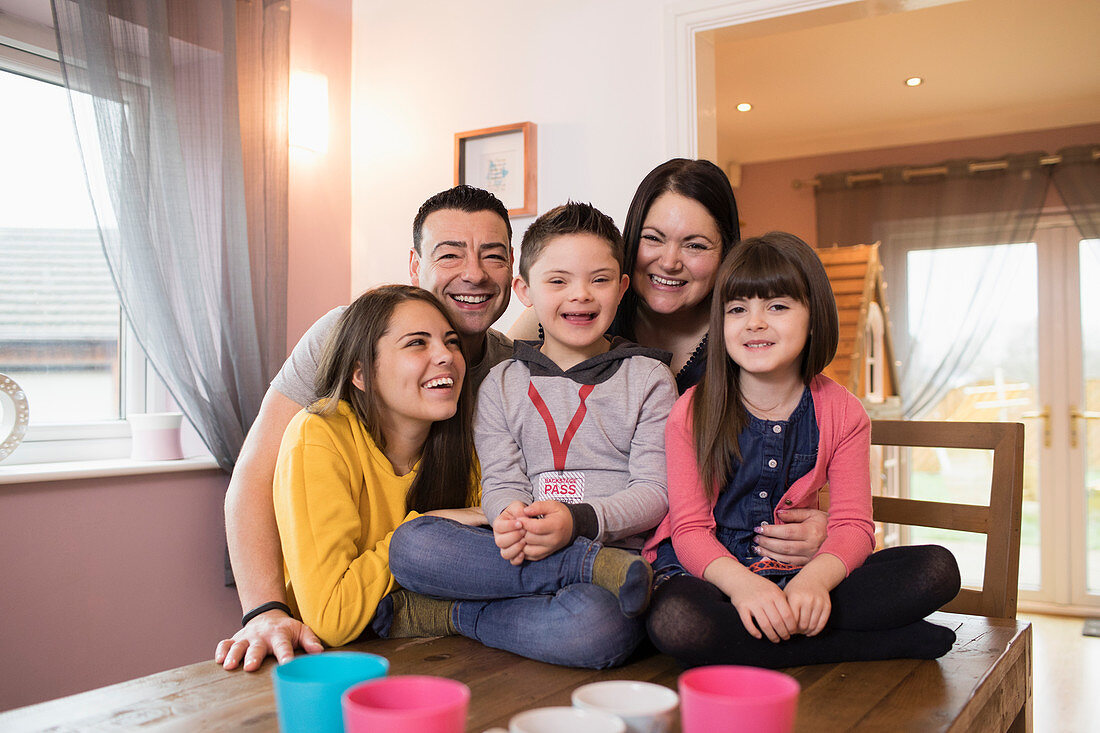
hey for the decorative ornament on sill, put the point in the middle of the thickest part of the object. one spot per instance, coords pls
(14, 415)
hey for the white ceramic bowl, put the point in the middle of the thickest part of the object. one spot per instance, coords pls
(643, 706)
(565, 720)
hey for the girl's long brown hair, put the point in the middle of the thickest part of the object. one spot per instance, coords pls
(774, 265)
(446, 477)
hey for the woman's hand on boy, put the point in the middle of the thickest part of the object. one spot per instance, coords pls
(508, 533)
(549, 527)
(797, 540)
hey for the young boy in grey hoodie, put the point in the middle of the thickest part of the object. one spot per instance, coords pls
(570, 435)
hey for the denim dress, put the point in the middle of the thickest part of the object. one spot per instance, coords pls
(774, 454)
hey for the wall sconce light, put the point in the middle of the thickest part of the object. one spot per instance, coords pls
(309, 111)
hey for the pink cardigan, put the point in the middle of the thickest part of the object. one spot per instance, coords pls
(843, 461)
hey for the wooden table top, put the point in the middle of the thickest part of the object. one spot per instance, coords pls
(982, 684)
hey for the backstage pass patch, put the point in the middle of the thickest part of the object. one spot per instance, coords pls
(564, 486)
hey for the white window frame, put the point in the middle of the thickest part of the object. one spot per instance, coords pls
(30, 50)
(874, 368)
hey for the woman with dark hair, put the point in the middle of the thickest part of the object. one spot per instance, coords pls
(681, 223)
(389, 439)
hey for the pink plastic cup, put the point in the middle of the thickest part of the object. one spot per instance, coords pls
(409, 703)
(733, 698)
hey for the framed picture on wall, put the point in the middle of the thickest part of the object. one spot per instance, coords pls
(502, 160)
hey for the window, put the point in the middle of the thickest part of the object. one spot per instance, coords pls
(63, 337)
(1039, 364)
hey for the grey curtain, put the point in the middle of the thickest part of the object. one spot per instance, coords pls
(176, 106)
(1077, 178)
(963, 205)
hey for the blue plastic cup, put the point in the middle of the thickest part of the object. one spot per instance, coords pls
(308, 688)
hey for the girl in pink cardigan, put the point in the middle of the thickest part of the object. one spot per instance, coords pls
(763, 432)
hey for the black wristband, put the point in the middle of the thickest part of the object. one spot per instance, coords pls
(269, 606)
(585, 523)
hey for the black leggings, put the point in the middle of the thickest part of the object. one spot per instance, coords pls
(877, 613)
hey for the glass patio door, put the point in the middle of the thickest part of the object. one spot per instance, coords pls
(1040, 365)
(1083, 424)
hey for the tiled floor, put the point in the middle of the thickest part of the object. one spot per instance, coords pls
(1066, 675)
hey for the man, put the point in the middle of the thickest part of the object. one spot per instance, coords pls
(462, 253)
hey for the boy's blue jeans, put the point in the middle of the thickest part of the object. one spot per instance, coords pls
(546, 610)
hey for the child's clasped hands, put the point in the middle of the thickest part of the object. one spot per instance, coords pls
(529, 532)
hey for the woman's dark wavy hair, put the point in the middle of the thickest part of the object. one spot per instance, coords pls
(699, 180)
(776, 264)
(446, 478)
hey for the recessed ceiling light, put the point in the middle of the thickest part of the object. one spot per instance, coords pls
(744, 107)
(914, 81)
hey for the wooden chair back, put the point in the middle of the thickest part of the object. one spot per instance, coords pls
(1000, 521)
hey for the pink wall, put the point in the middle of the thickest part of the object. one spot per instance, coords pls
(767, 201)
(108, 579)
(319, 267)
(102, 580)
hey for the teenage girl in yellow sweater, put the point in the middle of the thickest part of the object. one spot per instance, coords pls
(389, 439)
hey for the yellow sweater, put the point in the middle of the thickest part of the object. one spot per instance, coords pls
(337, 503)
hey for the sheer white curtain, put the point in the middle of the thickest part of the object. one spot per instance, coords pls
(964, 205)
(158, 92)
(1077, 179)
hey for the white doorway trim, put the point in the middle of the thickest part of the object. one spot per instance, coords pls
(682, 21)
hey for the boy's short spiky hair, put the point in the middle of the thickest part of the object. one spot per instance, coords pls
(572, 217)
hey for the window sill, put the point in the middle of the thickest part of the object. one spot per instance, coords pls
(69, 470)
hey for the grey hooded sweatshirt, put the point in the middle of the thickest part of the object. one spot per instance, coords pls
(592, 437)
